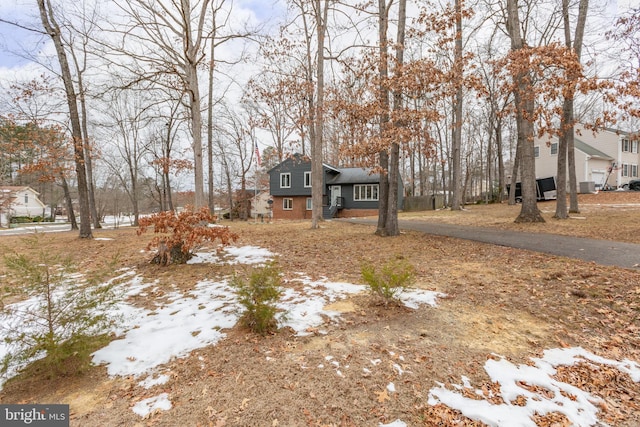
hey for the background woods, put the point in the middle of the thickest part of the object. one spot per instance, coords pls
(141, 106)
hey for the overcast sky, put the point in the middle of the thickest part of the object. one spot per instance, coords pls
(16, 43)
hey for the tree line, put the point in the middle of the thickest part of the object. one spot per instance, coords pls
(158, 96)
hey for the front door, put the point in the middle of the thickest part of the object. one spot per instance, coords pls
(336, 191)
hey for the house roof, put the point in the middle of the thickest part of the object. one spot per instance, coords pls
(354, 175)
(14, 188)
(589, 150)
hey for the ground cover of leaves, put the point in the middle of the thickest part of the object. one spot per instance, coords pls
(499, 301)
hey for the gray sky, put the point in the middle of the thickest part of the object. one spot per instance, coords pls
(16, 42)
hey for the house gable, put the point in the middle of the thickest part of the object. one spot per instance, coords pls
(23, 201)
(288, 177)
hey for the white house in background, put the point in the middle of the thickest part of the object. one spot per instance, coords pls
(608, 157)
(19, 201)
(260, 206)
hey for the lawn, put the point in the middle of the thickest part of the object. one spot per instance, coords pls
(491, 332)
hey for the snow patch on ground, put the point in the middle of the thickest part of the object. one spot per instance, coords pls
(147, 406)
(577, 405)
(233, 255)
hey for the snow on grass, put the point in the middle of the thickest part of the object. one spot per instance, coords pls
(174, 329)
(153, 380)
(305, 309)
(147, 406)
(234, 255)
(577, 405)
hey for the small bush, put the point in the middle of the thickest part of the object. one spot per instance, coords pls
(394, 277)
(178, 235)
(58, 322)
(259, 296)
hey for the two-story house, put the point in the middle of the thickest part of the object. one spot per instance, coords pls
(606, 158)
(347, 192)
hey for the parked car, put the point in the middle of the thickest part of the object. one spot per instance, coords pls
(634, 185)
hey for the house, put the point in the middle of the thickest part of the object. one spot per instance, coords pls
(346, 192)
(260, 206)
(606, 158)
(19, 201)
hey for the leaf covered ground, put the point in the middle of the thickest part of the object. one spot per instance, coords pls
(499, 301)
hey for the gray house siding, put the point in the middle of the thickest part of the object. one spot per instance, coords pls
(347, 178)
(296, 167)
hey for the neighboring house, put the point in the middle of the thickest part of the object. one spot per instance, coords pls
(20, 201)
(260, 206)
(608, 157)
(347, 192)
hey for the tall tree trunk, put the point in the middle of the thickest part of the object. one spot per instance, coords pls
(317, 143)
(210, 171)
(577, 47)
(68, 201)
(456, 141)
(525, 106)
(499, 149)
(86, 143)
(383, 99)
(53, 30)
(192, 39)
(391, 224)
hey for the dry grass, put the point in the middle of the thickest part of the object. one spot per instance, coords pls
(500, 300)
(605, 215)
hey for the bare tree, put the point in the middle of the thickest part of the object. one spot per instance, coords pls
(566, 140)
(456, 139)
(52, 28)
(128, 116)
(524, 105)
(157, 26)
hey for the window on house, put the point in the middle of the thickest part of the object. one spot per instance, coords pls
(536, 151)
(307, 179)
(626, 145)
(26, 198)
(309, 205)
(554, 148)
(634, 171)
(285, 180)
(625, 169)
(365, 192)
(287, 204)
(634, 146)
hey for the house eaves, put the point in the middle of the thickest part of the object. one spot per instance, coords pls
(591, 151)
(331, 168)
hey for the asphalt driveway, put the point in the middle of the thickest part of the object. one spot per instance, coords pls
(605, 252)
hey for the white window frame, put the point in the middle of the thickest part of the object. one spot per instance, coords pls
(554, 145)
(634, 171)
(626, 145)
(536, 151)
(285, 180)
(26, 198)
(634, 146)
(309, 203)
(307, 179)
(287, 204)
(366, 192)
